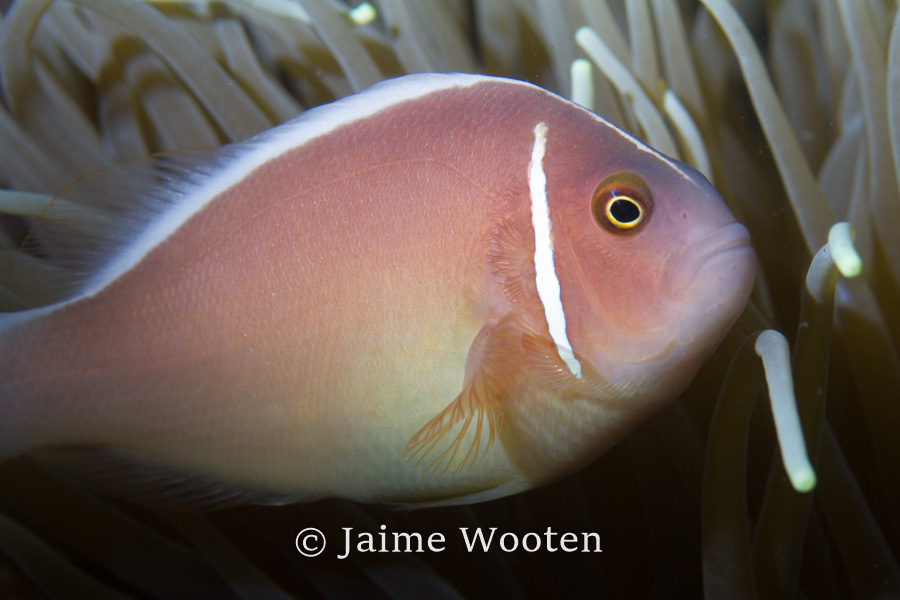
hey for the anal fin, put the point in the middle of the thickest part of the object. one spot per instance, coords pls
(491, 370)
(120, 474)
(508, 488)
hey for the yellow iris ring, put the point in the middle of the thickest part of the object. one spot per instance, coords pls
(615, 221)
(621, 188)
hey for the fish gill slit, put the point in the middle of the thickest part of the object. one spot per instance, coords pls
(546, 281)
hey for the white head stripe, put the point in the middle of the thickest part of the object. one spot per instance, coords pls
(544, 270)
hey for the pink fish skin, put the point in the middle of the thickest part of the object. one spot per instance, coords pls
(347, 305)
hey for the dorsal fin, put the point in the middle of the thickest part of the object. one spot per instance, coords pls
(105, 219)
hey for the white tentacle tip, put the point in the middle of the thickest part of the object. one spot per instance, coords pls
(803, 479)
(843, 253)
(363, 14)
(585, 34)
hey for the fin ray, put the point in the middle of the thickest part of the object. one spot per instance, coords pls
(511, 256)
(491, 370)
(92, 223)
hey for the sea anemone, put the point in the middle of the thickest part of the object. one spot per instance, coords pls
(790, 108)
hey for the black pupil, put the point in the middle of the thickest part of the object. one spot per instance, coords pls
(625, 211)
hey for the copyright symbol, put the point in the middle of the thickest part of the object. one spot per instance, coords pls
(310, 542)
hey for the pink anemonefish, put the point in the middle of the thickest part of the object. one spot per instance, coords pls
(444, 289)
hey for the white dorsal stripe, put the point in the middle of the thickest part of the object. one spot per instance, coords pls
(270, 144)
(547, 282)
(176, 199)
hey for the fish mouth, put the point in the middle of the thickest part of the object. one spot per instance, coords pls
(720, 265)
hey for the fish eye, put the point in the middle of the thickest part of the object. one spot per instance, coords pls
(621, 203)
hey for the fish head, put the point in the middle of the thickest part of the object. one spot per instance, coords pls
(653, 266)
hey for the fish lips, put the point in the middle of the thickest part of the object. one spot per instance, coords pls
(717, 269)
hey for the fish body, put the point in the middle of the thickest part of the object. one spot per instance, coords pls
(422, 293)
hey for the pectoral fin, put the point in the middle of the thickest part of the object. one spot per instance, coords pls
(492, 366)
